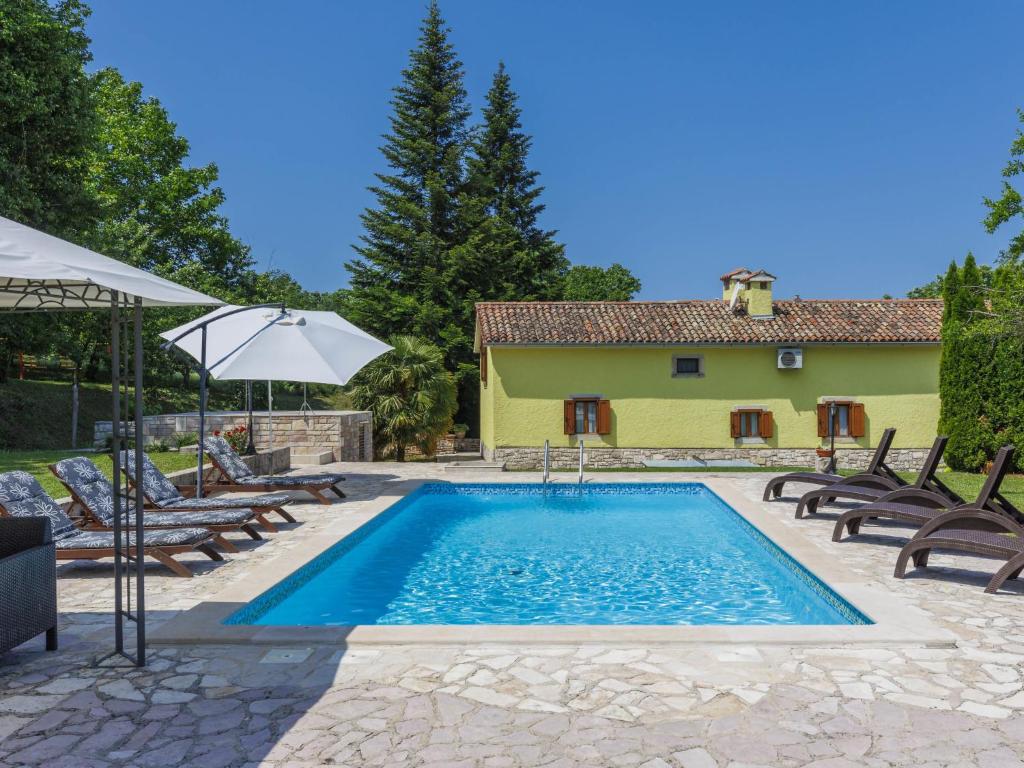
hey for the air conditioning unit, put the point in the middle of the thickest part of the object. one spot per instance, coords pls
(790, 357)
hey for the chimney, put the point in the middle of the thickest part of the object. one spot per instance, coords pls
(752, 290)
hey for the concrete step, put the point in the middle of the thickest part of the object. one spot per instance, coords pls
(474, 466)
(443, 458)
(312, 458)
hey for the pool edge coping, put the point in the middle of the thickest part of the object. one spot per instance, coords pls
(895, 621)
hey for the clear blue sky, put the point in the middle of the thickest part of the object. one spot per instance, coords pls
(844, 147)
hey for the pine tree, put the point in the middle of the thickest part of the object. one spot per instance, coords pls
(402, 280)
(523, 262)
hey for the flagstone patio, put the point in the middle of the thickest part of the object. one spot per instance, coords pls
(692, 706)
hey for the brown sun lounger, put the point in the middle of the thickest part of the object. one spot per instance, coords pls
(877, 474)
(21, 495)
(972, 530)
(923, 508)
(927, 487)
(93, 495)
(163, 495)
(235, 475)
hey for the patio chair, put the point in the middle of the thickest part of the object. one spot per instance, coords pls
(28, 582)
(21, 495)
(162, 494)
(926, 487)
(920, 509)
(93, 494)
(235, 475)
(878, 473)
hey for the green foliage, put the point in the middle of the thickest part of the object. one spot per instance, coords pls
(46, 115)
(411, 395)
(182, 439)
(982, 388)
(46, 132)
(1009, 207)
(964, 290)
(583, 283)
(523, 262)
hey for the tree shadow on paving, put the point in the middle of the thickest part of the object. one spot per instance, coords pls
(208, 706)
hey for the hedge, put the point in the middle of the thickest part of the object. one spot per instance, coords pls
(981, 383)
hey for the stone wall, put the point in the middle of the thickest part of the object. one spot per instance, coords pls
(908, 459)
(347, 434)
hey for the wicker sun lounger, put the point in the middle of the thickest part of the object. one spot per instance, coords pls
(878, 473)
(21, 495)
(235, 475)
(926, 486)
(28, 582)
(162, 494)
(93, 494)
(972, 530)
(925, 507)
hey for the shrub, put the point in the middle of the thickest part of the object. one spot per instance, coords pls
(181, 439)
(237, 437)
(982, 387)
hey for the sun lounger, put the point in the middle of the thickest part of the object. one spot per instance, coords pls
(878, 474)
(21, 495)
(919, 510)
(162, 494)
(93, 494)
(973, 530)
(927, 488)
(235, 475)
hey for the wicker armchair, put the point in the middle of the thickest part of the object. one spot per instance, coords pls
(28, 582)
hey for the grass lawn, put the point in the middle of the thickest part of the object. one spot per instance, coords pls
(37, 463)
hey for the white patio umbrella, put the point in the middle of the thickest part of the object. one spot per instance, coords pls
(277, 344)
(42, 273)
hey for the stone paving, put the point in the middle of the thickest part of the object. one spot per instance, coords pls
(593, 705)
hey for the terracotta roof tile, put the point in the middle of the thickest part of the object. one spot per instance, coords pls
(877, 321)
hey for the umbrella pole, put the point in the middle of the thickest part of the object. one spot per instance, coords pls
(250, 445)
(202, 417)
(140, 499)
(270, 415)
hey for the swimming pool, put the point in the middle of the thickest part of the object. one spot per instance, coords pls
(610, 553)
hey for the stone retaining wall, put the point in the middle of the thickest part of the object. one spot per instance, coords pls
(908, 459)
(347, 434)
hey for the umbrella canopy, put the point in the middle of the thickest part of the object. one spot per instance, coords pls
(271, 344)
(40, 272)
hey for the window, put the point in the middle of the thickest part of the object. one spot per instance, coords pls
(587, 416)
(483, 365)
(688, 365)
(847, 419)
(752, 423)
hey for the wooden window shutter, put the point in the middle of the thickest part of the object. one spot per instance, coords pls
(735, 430)
(822, 419)
(483, 364)
(767, 424)
(569, 416)
(604, 417)
(857, 420)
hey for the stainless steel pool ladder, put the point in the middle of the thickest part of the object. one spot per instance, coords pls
(580, 478)
(547, 460)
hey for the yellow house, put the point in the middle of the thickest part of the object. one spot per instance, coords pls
(745, 377)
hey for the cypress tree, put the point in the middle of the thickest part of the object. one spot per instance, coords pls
(523, 261)
(401, 281)
(972, 299)
(951, 295)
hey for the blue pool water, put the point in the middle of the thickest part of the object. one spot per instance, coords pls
(526, 554)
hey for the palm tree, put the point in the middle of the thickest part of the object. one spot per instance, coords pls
(411, 395)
